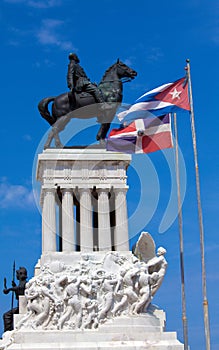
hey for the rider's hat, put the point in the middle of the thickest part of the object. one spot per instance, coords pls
(73, 56)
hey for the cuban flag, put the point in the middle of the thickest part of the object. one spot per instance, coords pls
(168, 98)
(142, 136)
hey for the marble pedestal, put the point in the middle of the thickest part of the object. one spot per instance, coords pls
(125, 331)
(85, 292)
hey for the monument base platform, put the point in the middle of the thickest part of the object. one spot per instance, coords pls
(133, 332)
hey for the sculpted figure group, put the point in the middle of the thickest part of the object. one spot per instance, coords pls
(86, 295)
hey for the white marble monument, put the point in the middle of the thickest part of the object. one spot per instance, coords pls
(89, 291)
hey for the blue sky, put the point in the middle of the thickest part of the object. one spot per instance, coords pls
(154, 38)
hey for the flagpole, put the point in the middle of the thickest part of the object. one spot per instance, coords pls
(201, 230)
(180, 221)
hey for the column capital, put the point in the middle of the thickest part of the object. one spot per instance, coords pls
(44, 191)
(67, 189)
(84, 189)
(48, 189)
(119, 190)
(105, 189)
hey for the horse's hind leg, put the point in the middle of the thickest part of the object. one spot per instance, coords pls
(58, 143)
(59, 126)
(49, 139)
(54, 134)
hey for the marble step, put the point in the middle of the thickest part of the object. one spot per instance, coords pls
(125, 345)
(89, 336)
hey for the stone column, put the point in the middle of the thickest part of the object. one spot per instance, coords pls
(48, 221)
(68, 238)
(78, 227)
(95, 221)
(104, 231)
(60, 227)
(86, 227)
(121, 238)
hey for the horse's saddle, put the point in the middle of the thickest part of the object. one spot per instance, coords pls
(82, 94)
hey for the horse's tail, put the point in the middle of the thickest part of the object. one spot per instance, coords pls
(44, 111)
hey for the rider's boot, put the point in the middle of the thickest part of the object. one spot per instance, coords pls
(99, 99)
(71, 98)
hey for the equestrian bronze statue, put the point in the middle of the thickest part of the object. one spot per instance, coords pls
(86, 101)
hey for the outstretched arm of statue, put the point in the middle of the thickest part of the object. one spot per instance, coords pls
(6, 291)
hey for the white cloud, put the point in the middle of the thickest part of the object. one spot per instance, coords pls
(154, 55)
(215, 36)
(44, 3)
(14, 1)
(17, 36)
(129, 60)
(48, 34)
(36, 4)
(27, 137)
(17, 196)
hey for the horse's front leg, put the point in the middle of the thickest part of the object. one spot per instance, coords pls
(101, 135)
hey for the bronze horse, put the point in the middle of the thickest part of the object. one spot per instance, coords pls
(111, 88)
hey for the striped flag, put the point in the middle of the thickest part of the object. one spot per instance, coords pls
(167, 98)
(142, 136)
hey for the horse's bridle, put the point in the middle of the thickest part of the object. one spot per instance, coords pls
(126, 80)
(122, 80)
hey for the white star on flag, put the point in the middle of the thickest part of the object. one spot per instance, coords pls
(175, 94)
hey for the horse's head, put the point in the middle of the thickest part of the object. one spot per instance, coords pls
(111, 83)
(124, 71)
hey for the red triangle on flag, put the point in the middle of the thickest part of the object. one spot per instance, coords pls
(176, 94)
